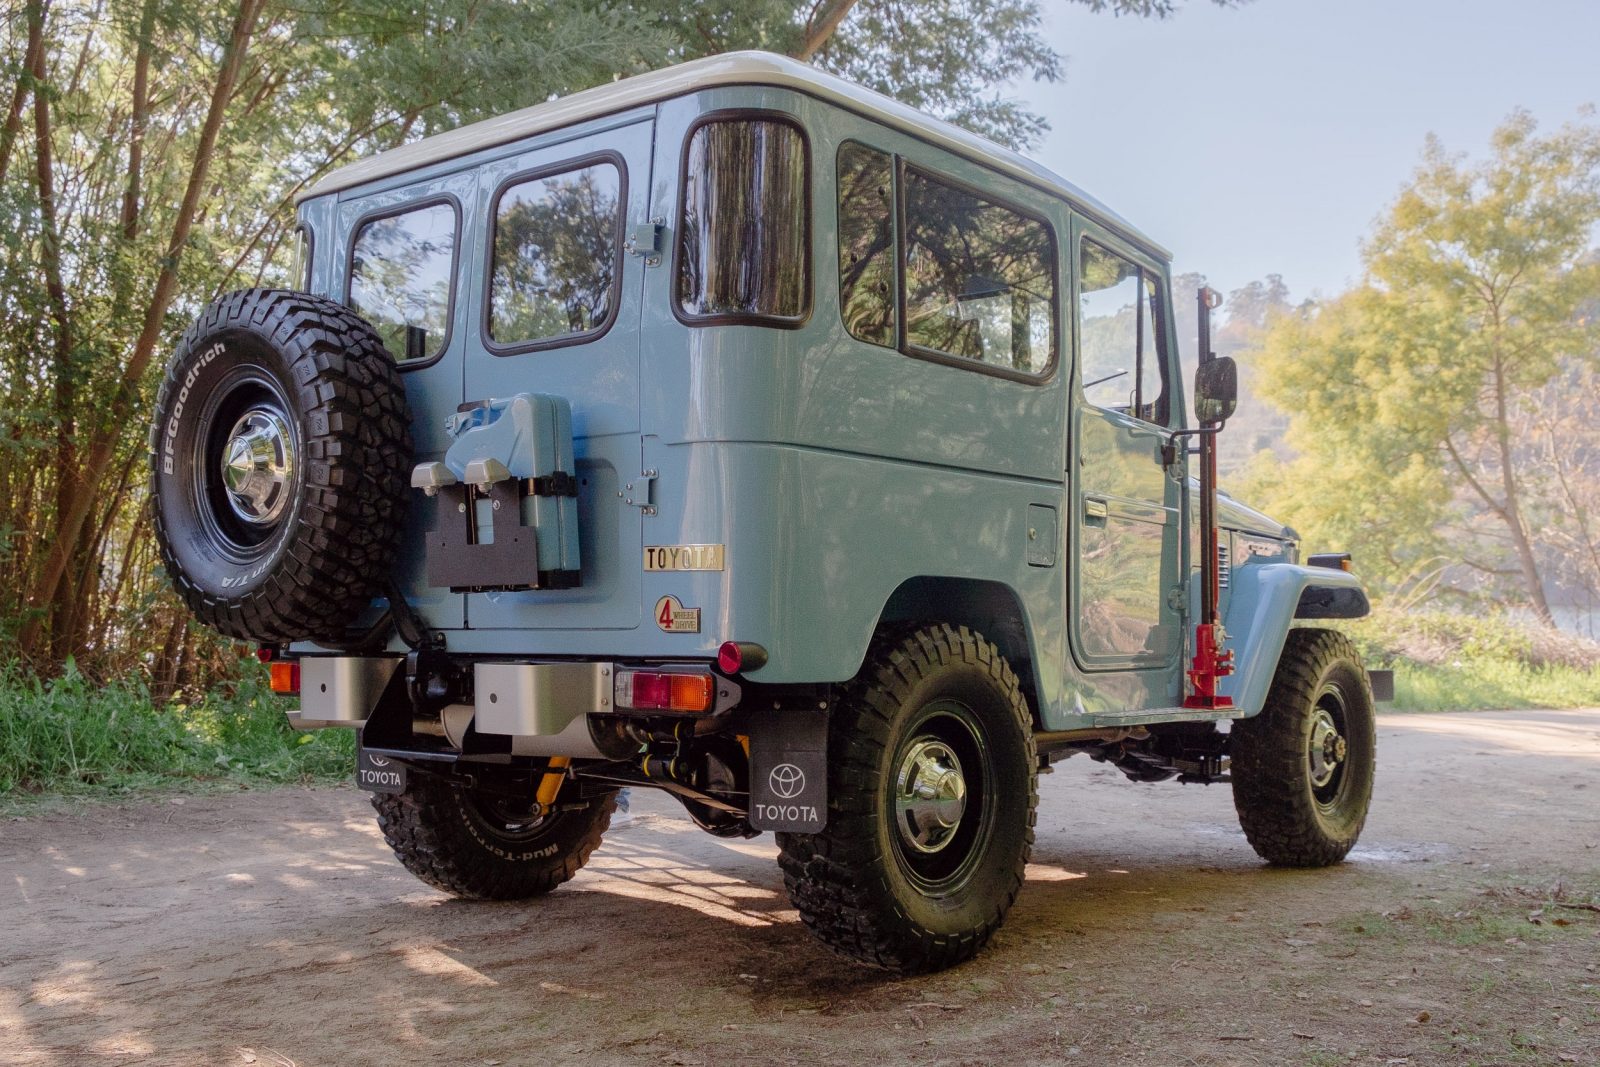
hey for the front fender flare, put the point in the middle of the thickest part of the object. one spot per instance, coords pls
(1263, 602)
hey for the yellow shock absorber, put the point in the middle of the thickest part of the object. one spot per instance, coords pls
(550, 784)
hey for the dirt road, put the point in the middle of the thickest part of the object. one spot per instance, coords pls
(275, 928)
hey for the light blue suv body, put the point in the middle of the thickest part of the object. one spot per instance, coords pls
(841, 484)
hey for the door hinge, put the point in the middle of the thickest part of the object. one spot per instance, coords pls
(639, 492)
(645, 240)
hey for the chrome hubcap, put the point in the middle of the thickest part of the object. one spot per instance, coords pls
(1328, 749)
(258, 466)
(930, 795)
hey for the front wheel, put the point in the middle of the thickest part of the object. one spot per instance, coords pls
(932, 789)
(1302, 769)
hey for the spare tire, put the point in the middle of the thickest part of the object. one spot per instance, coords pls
(279, 455)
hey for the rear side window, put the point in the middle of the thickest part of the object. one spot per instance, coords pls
(554, 263)
(744, 248)
(980, 278)
(300, 264)
(401, 272)
(866, 243)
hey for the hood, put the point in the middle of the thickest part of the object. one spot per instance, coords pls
(1233, 515)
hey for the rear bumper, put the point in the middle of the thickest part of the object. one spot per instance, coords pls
(544, 708)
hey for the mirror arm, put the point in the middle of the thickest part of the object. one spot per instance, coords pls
(1169, 451)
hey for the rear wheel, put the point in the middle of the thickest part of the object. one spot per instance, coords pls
(932, 788)
(485, 846)
(1302, 769)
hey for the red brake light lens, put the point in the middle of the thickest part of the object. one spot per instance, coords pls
(650, 690)
(659, 691)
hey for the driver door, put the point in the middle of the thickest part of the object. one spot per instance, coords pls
(1126, 516)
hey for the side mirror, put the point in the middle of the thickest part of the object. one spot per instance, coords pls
(1216, 389)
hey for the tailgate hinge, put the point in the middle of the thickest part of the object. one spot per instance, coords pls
(640, 493)
(645, 240)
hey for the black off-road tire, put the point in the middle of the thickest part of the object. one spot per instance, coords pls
(1291, 820)
(455, 840)
(858, 885)
(311, 569)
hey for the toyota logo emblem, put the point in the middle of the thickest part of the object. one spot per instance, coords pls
(377, 761)
(786, 781)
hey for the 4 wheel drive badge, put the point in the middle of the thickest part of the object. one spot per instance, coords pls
(674, 618)
(786, 781)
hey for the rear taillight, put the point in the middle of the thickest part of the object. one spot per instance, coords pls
(665, 691)
(284, 677)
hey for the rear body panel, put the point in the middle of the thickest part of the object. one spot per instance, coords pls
(830, 477)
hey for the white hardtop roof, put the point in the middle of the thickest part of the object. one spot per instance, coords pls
(730, 68)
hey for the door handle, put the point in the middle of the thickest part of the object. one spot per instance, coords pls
(1095, 509)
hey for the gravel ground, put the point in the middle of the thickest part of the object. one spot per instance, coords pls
(275, 928)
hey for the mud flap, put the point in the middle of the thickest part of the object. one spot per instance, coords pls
(789, 771)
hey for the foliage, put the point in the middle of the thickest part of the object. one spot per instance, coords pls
(950, 58)
(1423, 404)
(150, 153)
(73, 736)
(1454, 662)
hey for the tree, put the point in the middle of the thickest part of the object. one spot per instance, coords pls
(150, 153)
(1412, 397)
(951, 58)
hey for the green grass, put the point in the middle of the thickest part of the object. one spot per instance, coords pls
(1488, 684)
(71, 737)
(1451, 662)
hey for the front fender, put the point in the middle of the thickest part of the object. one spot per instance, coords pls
(1262, 603)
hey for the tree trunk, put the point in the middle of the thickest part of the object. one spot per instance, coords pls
(821, 27)
(64, 384)
(1512, 502)
(33, 58)
(102, 446)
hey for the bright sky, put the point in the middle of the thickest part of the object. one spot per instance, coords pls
(1266, 139)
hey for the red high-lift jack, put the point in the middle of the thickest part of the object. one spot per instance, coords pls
(1211, 662)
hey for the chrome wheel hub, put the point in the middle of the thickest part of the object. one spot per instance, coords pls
(1328, 749)
(930, 795)
(258, 466)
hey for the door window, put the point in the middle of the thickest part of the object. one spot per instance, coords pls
(402, 269)
(556, 251)
(1121, 349)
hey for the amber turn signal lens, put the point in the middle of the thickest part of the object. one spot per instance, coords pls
(692, 692)
(285, 677)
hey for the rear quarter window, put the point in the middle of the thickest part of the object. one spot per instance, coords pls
(744, 244)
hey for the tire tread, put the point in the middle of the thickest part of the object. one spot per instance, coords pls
(357, 454)
(1269, 769)
(831, 877)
